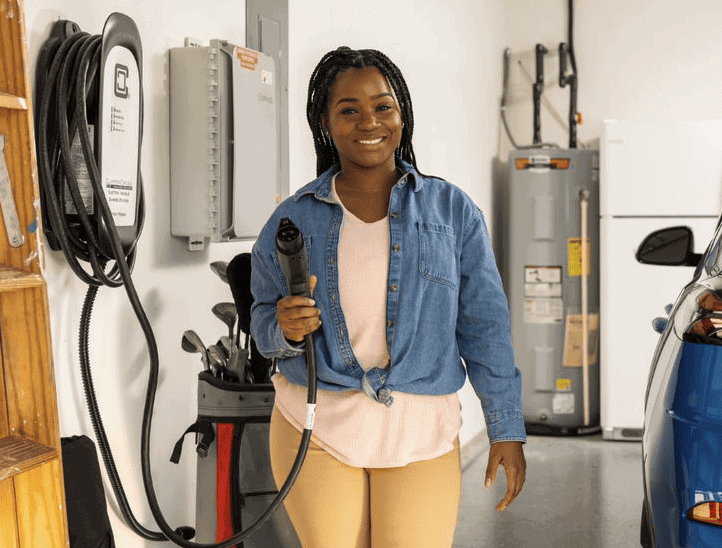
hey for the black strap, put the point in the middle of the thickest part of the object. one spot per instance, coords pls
(203, 427)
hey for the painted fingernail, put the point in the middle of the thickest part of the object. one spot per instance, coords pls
(488, 482)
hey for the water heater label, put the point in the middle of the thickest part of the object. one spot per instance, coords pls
(563, 404)
(542, 274)
(543, 310)
(543, 281)
(121, 131)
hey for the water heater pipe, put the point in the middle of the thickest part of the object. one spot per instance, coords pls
(584, 202)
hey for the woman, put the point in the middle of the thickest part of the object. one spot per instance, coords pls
(405, 286)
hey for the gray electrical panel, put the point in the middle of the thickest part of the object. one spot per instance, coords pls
(553, 284)
(223, 142)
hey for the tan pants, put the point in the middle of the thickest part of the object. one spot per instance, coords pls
(333, 505)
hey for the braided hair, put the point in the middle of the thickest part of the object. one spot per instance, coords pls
(319, 91)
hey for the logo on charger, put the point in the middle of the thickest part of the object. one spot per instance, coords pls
(121, 81)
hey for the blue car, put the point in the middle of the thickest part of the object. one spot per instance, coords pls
(682, 441)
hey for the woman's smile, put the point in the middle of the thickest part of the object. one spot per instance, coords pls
(371, 141)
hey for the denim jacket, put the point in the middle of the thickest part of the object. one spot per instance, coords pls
(445, 300)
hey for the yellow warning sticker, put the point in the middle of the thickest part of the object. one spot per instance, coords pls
(564, 384)
(575, 257)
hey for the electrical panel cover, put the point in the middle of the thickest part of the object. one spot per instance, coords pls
(223, 142)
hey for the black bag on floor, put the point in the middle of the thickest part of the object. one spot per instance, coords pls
(88, 522)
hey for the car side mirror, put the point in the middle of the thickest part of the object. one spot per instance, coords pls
(670, 247)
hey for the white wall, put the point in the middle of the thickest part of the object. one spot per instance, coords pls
(450, 55)
(637, 60)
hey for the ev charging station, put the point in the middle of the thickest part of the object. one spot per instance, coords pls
(228, 172)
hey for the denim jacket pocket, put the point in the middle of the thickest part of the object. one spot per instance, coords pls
(280, 276)
(437, 254)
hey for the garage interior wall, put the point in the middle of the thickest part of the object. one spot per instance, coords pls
(636, 60)
(448, 52)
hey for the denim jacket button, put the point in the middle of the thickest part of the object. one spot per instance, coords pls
(390, 323)
(397, 248)
(394, 216)
(394, 288)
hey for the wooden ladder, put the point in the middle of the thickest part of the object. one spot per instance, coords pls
(32, 494)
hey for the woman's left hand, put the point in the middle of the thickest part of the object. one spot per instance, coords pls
(510, 455)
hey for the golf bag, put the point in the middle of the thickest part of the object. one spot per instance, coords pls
(234, 480)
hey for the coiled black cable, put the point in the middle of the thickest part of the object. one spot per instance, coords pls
(70, 62)
(67, 85)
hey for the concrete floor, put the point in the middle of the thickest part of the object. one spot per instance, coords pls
(580, 492)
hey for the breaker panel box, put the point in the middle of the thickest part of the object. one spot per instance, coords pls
(224, 152)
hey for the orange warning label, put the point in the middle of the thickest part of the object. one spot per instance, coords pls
(575, 257)
(247, 57)
(551, 163)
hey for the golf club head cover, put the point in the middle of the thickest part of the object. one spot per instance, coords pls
(239, 280)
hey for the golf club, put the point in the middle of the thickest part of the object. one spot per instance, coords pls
(226, 312)
(191, 342)
(219, 268)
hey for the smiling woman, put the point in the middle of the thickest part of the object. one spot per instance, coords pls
(406, 283)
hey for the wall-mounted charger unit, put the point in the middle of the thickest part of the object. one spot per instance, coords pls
(224, 153)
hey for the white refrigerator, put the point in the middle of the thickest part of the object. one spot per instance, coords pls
(653, 175)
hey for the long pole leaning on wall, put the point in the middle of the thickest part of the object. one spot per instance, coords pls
(584, 201)
(267, 32)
